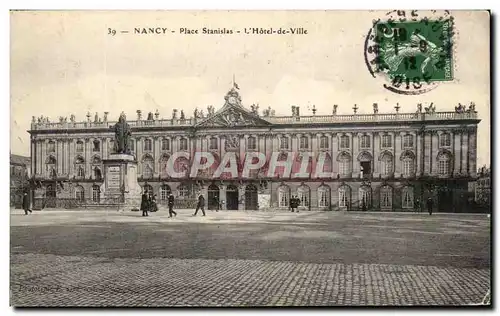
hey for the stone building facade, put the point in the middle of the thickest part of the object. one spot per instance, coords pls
(19, 175)
(379, 161)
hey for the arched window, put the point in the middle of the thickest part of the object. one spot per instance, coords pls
(97, 173)
(80, 167)
(344, 142)
(304, 142)
(165, 144)
(96, 193)
(323, 142)
(79, 146)
(97, 146)
(283, 196)
(345, 164)
(407, 197)
(386, 164)
(183, 191)
(164, 192)
(303, 193)
(365, 197)
(444, 164)
(323, 196)
(386, 197)
(79, 193)
(408, 141)
(445, 140)
(148, 144)
(284, 142)
(214, 143)
(51, 147)
(147, 168)
(251, 143)
(365, 142)
(183, 144)
(51, 167)
(344, 196)
(408, 164)
(163, 166)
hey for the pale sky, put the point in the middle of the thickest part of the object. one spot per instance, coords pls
(65, 63)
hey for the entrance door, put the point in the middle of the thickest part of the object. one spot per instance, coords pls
(50, 195)
(213, 197)
(251, 197)
(232, 197)
(445, 201)
(366, 168)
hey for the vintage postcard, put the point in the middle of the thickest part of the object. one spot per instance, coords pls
(250, 158)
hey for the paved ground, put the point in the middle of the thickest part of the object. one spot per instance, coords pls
(103, 258)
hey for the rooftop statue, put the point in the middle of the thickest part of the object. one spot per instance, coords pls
(122, 134)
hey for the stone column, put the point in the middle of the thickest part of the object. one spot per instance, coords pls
(427, 149)
(376, 154)
(434, 152)
(223, 196)
(472, 152)
(59, 155)
(243, 147)
(419, 154)
(33, 156)
(44, 156)
(465, 153)
(397, 154)
(156, 156)
(457, 153)
(138, 150)
(335, 152)
(355, 169)
(295, 143)
(241, 197)
(315, 146)
(88, 149)
(105, 148)
(71, 157)
(222, 146)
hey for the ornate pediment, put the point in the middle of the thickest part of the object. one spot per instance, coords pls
(233, 116)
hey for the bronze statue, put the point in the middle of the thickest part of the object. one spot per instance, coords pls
(122, 133)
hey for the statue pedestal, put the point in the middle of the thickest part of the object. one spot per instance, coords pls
(120, 181)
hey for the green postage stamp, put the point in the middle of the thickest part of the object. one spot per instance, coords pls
(413, 54)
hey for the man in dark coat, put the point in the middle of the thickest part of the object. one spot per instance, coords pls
(430, 202)
(201, 204)
(26, 203)
(145, 203)
(293, 203)
(171, 205)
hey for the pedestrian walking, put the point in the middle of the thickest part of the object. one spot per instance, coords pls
(171, 205)
(297, 204)
(418, 208)
(154, 206)
(430, 202)
(26, 204)
(293, 203)
(145, 203)
(216, 203)
(200, 205)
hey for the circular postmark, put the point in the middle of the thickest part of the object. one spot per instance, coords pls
(412, 54)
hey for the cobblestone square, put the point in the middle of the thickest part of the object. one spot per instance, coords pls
(110, 258)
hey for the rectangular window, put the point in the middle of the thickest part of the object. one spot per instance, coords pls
(365, 141)
(79, 146)
(284, 143)
(323, 200)
(252, 143)
(304, 142)
(386, 199)
(323, 142)
(443, 167)
(148, 145)
(344, 168)
(51, 147)
(445, 140)
(386, 141)
(214, 143)
(183, 144)
(344, 142)
(408, 141)
(165, 144)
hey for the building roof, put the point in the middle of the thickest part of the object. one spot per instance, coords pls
(20, 160)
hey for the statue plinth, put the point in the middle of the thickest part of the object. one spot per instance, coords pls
(120, 180)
